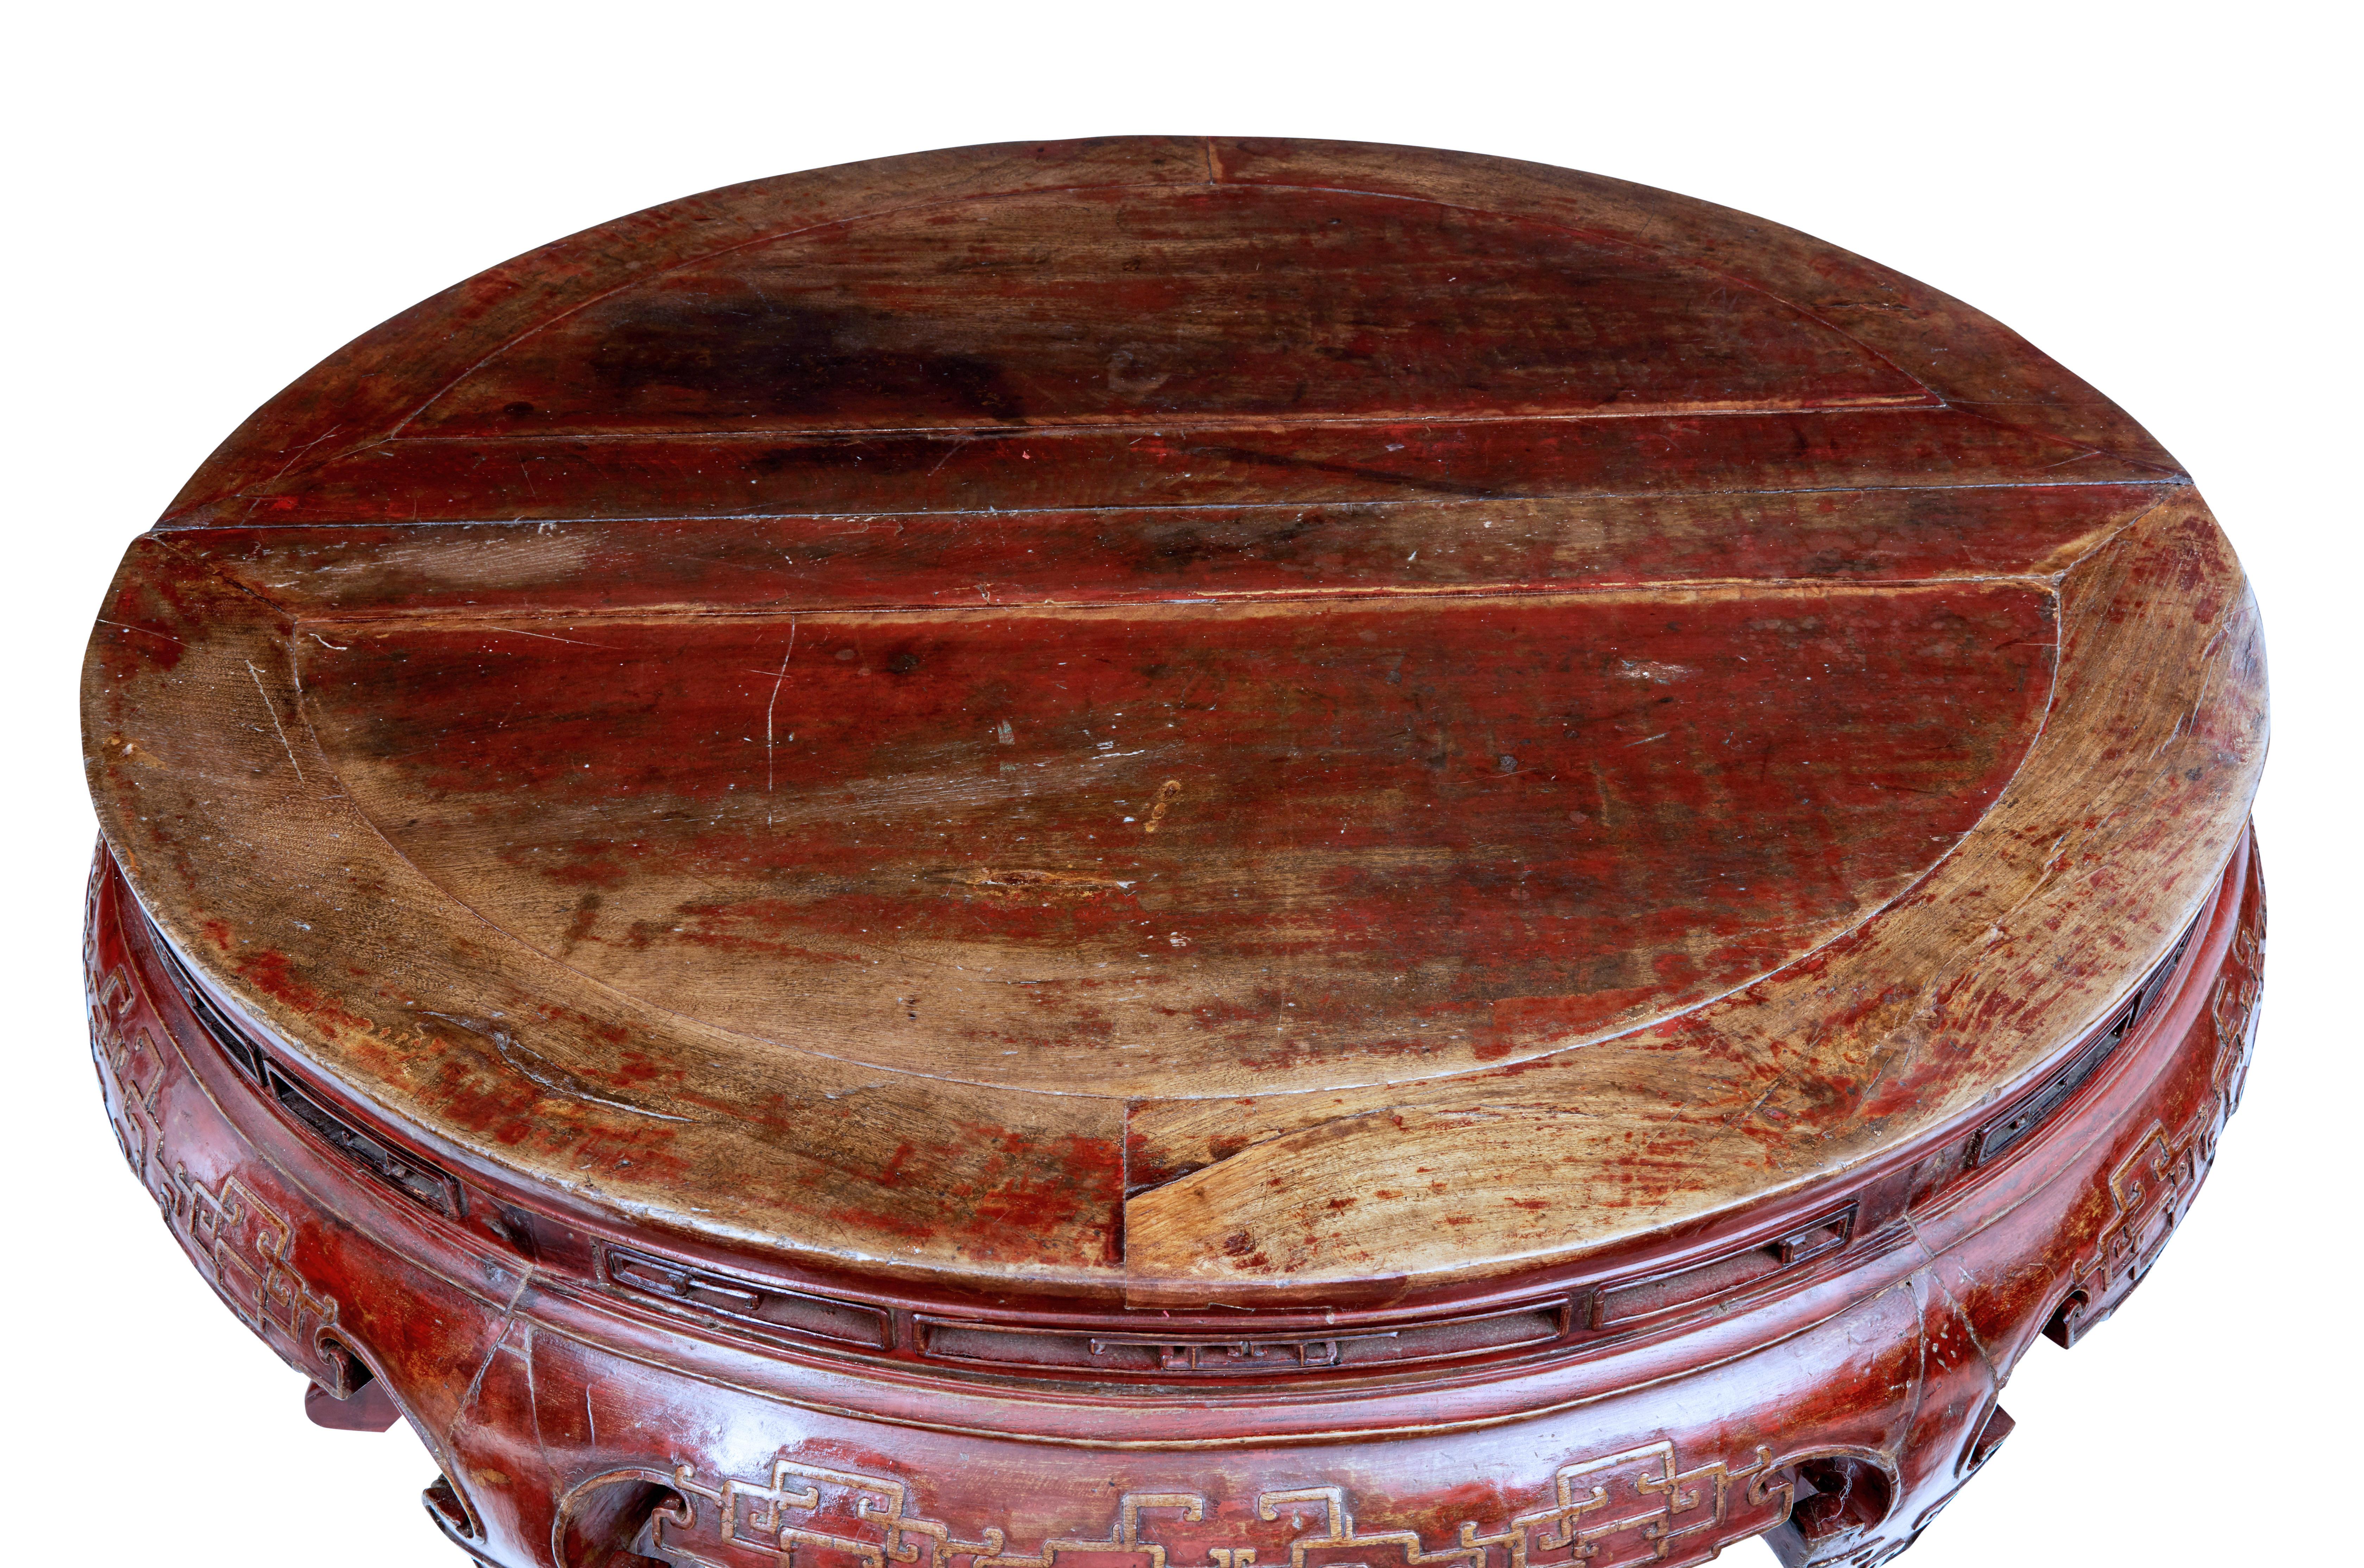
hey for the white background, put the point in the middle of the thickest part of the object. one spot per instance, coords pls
(208, 199)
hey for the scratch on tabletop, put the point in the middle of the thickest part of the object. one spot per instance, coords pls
(268, 708)
(546, 637)
(147, 631)
(777, 680)
(291, 461)
(957, 443)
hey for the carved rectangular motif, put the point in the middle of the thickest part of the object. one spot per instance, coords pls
(770, 1308)
(1485, 1333)
(1620, 1509)
(1741, 1269)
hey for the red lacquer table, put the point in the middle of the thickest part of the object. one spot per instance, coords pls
(1177, 852)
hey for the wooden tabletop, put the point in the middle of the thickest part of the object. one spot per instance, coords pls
(1179, 719)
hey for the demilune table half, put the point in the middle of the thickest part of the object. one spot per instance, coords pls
(1178, 853)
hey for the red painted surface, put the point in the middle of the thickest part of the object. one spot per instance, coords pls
(659, 804)
(576, 1383)
(1244, 848)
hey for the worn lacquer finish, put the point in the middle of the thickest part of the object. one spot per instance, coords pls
(910, 789)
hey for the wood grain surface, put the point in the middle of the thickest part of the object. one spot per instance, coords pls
(1179, 721)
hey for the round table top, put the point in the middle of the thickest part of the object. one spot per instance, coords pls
(1176, 716)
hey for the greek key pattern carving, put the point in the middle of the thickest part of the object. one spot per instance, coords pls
(243, 1243)
(1624, 1508)
(2233, 1007)
(130, 1076)
(130, 1061)
(2151, 1188)
(240, 1242)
